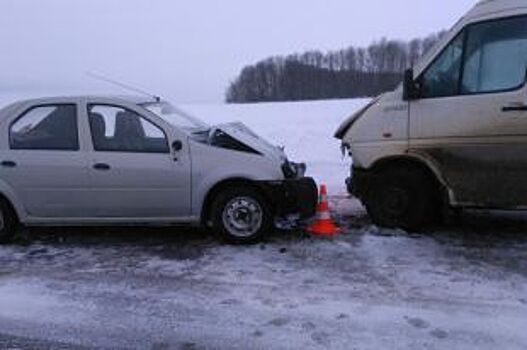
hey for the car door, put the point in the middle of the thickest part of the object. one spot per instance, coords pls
(133, 173)
(44, 164)
(471, 119)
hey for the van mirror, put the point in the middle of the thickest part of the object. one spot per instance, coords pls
(410, 90)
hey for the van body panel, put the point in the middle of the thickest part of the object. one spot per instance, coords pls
(383, 130)
(480, 149)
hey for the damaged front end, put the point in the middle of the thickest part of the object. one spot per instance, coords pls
(295, 194)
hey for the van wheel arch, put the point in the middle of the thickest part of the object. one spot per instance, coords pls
(417, 170)
(409, 163)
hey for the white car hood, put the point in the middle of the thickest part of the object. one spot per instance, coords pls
(242, 133)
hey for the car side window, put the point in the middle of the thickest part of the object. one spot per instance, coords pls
(49, 127)
(117, 129)
(442, 77)
(496, 56)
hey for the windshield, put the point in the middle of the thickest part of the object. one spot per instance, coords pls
(175, 116)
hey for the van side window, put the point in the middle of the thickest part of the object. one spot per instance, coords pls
(117, 129)
(442, 77)
(496, 56)
(50, 127)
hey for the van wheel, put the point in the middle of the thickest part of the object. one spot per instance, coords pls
(405, 199)
(240, 215)
(8, 222)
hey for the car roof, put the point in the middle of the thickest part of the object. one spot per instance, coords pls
(134, 99)
(109, 99)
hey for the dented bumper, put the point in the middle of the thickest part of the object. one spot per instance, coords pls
(298, 196)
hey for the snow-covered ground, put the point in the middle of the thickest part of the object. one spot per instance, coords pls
(462, 287)
(457, 288)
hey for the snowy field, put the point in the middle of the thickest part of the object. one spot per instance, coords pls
(461, 287)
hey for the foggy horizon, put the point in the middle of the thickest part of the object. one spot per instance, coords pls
(188, 52)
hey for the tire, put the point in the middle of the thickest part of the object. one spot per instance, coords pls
(8, 222)
(240, 215)
(406, 199)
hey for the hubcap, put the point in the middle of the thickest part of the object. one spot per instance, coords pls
(242, 217)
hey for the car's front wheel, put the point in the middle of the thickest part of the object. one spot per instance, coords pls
(8, 222)
(241, 215)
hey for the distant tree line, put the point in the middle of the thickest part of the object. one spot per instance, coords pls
(353, 72)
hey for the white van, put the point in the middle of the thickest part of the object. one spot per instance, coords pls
(454, 134)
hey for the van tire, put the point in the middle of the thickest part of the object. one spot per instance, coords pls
(240, 215)
(406, 199)
(8, 222)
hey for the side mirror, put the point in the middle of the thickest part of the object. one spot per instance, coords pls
(177, 146)
(410, 89)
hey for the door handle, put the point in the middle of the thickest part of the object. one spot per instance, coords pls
(101, 166)
(8, 164)
(515, 107)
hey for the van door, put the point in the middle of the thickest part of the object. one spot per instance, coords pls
(471, 119)
(44, 163)
(133, 173)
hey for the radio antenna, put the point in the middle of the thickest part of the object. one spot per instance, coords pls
(122, 85)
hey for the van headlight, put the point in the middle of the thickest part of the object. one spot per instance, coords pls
(293, 170)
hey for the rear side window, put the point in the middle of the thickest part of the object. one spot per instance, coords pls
(117, 129)
(50, 127)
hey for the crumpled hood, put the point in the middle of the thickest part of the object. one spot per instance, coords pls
(244, 134)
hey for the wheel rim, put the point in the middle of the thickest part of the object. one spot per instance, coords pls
(395, 201)
(242, 217)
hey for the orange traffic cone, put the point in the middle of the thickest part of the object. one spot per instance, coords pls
(323, 225)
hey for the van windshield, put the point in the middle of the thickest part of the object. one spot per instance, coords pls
(175, 116)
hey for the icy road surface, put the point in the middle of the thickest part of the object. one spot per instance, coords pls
(462, 288)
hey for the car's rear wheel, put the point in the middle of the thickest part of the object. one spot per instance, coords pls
(240, 215)
(406, 199)
(8, 222)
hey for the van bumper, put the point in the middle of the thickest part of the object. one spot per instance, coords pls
(291, 197)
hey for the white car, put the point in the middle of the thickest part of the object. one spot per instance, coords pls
(71, 161)
(454, 135)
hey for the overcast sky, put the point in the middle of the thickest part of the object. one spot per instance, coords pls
(189, 50)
